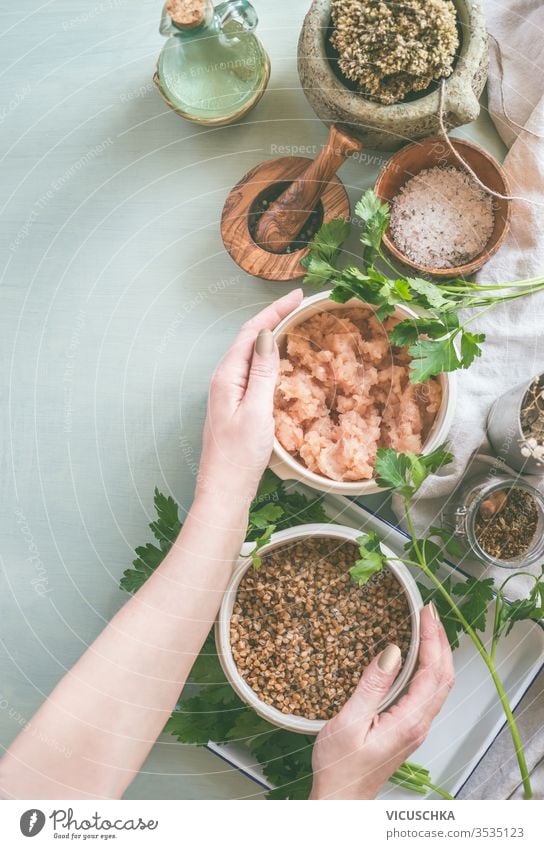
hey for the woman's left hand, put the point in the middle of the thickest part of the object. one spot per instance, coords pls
(239, 430)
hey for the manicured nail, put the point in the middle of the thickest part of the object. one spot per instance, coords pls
(434, 611)
(265, 343)
(389, 659)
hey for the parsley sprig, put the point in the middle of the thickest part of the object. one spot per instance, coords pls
(463, 604)
(438, 338)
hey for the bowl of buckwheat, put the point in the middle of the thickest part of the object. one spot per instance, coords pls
(295, 634)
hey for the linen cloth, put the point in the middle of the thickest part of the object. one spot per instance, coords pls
(514, 347)
(514, 350)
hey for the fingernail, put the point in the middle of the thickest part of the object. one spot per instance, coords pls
(434, 611)
(265, 343)
(389, 658)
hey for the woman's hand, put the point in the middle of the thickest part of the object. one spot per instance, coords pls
(358, 750)
(239, 430)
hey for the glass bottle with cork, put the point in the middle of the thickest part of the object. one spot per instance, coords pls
(213, 69)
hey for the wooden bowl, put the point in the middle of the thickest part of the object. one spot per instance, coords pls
(426, 154)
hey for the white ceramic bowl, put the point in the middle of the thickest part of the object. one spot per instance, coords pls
(291, 722)
(285, 465)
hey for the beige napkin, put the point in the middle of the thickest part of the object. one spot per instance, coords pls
(514, 349)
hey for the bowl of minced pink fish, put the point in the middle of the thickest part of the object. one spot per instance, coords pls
(344, 391)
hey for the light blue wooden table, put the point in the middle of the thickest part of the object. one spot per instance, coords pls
(116, 301)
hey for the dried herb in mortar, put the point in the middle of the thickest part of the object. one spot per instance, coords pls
(391, 49)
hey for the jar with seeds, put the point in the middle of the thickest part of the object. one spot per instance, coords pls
(515, 426)
(499, 520)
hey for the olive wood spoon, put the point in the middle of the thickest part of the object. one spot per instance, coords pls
(286, 216)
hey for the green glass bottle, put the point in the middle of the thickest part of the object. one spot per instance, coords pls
(213, 69)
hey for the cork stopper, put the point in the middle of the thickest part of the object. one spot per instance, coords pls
(187, 13)
(493, 504)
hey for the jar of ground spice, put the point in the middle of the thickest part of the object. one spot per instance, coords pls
(499, 519)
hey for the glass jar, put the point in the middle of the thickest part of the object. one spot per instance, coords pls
(470, 502)
(213, 69)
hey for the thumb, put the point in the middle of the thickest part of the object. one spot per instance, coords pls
(263, 373)
(375, 683)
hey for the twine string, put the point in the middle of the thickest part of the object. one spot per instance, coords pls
(501, 89)
(462, 162)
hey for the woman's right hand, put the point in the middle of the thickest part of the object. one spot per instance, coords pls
(239, 430)
(359, 749)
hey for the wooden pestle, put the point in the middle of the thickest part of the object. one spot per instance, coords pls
(286, 216)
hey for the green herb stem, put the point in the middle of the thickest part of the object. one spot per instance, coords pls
(493, 302)
(387, 261)
(531, 284)
(440, 791)
(416, 778)
(496, 635)
(487, 658)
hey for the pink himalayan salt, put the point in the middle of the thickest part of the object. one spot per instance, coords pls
(343, 391)
(442, 218)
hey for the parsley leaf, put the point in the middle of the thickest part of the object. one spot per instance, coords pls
(441, 301)
(451, 623)
(431, 357)
(167, 525)
(205, 717)
(298, 509)
(263, 516)
(375, 216)
(165, 529)
(327, 242)
(474, 597)
(264, 539)
(508, 613)
(372, 558)
(470, 347)
(451, 544)
(147, 560)
(476, 593)
(405, 473)
(392, 471)
(319, 271)
(431, 295)
(430, 550)
(274, 507)
(409, 330)
(436, 459)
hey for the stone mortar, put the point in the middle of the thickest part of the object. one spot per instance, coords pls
(389, 127)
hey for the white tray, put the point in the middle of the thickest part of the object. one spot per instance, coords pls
(472, 717)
